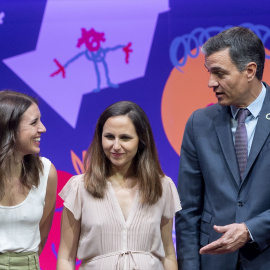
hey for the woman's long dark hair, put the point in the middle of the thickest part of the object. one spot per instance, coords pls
(12, 107)
(146, 161)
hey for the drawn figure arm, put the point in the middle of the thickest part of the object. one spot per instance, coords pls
(127, 50)
(61, 68)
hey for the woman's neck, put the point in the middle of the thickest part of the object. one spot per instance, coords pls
(123, 180)
(14, 168)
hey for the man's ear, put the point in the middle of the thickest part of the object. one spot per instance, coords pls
(251, 69)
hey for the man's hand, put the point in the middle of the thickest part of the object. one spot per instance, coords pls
(234, 237)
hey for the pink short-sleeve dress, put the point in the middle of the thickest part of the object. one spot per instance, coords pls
(108, 241)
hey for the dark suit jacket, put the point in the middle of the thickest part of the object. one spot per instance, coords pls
(211, 192)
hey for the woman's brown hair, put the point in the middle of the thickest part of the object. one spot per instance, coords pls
(146, 161)
(12, 107)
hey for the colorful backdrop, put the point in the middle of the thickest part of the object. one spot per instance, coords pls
(79, 56)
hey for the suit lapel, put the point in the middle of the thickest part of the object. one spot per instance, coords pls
(261, 133)
(222, 124)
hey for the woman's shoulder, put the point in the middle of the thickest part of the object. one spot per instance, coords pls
(78, 178)
(75, 182)
(167, 181)
(73, 196)
(47, 164)
(45, 173)
(170, 195)
(45, 161)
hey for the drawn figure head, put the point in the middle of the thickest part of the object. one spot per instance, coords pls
(92, 39)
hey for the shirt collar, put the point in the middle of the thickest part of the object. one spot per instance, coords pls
(255, 107)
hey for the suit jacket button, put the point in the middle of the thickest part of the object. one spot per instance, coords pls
(240, 204)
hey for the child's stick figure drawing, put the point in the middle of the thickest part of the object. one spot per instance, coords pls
(95, 53)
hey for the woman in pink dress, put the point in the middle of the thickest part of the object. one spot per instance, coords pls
(119, 214)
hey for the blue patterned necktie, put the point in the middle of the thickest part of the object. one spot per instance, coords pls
(241, 141)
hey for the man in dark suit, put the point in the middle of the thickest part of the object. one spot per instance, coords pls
(224, 191)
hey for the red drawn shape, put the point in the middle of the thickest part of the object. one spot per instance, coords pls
(60, 70)
(127, 50)
(92, 39)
